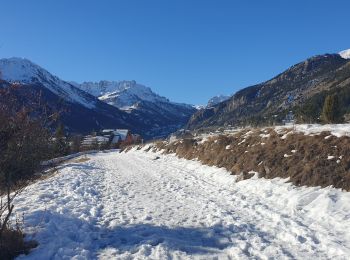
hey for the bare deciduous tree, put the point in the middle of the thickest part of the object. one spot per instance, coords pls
(24, 143)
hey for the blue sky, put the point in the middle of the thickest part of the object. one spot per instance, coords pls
(186, 50)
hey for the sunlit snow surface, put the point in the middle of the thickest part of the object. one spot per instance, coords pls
(26, 72)
(337, 130)
(122, 94)
(141, 205)
(345, 54)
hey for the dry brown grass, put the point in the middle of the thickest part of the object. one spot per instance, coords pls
(13, 244)
(307, 166)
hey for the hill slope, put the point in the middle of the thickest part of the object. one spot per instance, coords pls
(80, 111)
(290, 90)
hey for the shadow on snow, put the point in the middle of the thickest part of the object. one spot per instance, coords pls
(62, 235)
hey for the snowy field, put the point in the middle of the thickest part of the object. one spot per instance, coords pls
(141, 205)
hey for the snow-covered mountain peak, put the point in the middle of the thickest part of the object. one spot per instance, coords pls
(122, 94)
(199, 107)
(217, 99)
(26, 72)
(345, 54)
(20, 70)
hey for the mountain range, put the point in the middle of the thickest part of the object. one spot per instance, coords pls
(89, 107)
(161, 115)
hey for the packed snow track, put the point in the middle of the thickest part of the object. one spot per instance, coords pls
(144, 205)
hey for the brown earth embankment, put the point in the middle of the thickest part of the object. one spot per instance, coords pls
(311, 160)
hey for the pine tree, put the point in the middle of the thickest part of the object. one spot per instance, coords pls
(331, 110)
(60, 131)
(60, 146)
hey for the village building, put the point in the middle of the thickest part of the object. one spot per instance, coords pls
(94, 142)
(112, 137)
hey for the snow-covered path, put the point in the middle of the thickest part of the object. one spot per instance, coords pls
(137, 206)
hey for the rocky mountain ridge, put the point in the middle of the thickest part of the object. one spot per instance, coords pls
(270, 101)
(141, 102)
(122, 105)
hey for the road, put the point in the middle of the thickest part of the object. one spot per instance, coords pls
(142, 205)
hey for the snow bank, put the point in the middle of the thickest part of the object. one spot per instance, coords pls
(337, 130)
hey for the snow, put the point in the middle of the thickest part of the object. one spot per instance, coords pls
(203, 139)
(130, 95)
(122, 94)
(26, 72)
(345, 54)
(265, 135)
(337, 130)
(217, 99)
(199, 107)
(247, 134)
(241, 142)
(140, 205)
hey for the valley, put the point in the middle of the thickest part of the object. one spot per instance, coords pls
(174, 130)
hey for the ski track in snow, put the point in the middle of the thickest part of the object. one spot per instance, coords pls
(137, 206)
